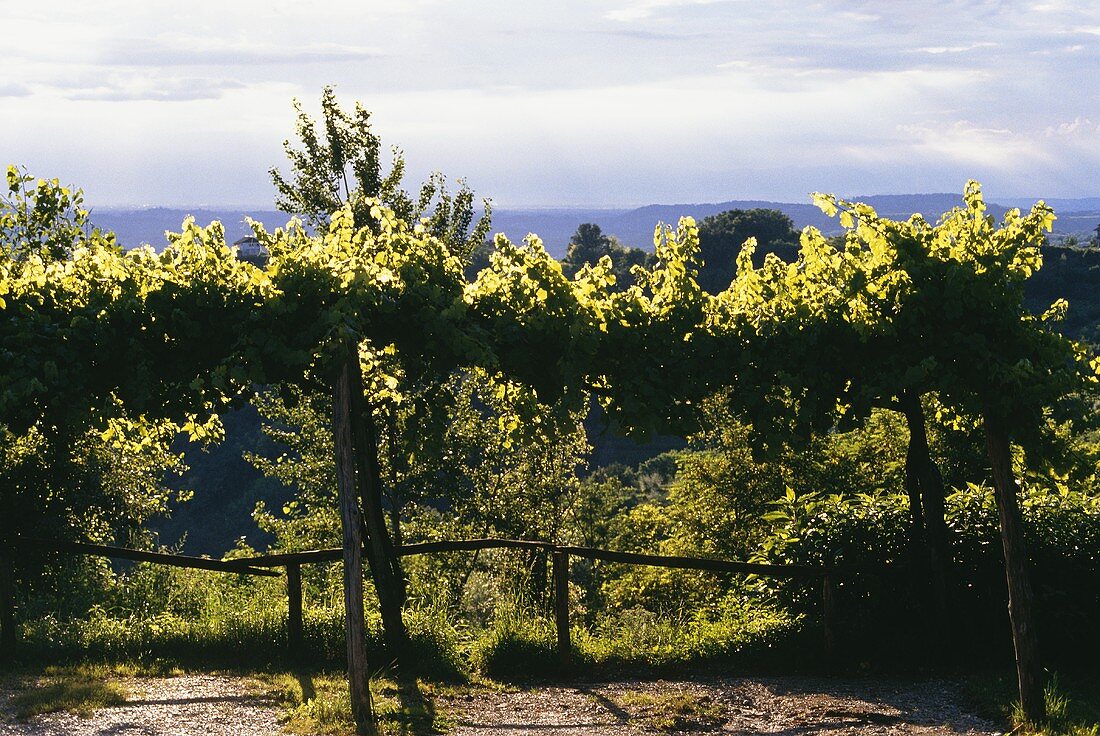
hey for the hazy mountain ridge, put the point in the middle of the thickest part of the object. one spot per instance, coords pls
(633, 227)
(135, 227)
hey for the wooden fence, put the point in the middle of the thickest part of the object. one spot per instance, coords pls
(293, 561)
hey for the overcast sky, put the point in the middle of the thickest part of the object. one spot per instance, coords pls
(580, 102)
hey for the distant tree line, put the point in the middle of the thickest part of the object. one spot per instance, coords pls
(721, 237)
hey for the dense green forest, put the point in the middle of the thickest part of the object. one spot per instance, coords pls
(910, 403)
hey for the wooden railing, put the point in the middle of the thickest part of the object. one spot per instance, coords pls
(293, 561)
(559, 555)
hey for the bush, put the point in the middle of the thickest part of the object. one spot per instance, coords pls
(519, 645)
(738, 632)
(1062, 530)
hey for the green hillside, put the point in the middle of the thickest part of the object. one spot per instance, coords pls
(1072, 274)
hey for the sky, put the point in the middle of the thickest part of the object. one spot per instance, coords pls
(597, 103)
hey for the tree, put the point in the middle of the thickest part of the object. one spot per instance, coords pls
(341, 167)
(588, 245)
(959, 327)
(654, 361)
(721, 237)
(61, 475)
(491, 475)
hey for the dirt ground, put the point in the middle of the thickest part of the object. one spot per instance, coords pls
(208, 705)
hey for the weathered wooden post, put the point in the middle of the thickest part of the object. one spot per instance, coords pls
(561, 602)
(295, 646)
(352, 522)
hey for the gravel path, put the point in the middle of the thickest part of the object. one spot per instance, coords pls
(209, 705)
(189, 705)
(790, 706)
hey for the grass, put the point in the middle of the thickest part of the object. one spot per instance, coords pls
(319, 703)
(520, 645)
(681, 711)
(1073, 704)
(75, 689)
(313, 702)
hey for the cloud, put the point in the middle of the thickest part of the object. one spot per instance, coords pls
(14, 89)
(936, 50)
(183, 50)
(645, 35)
(968, 143)
(133, 88)
(1079, 126)
(648, 8)
(616, 101)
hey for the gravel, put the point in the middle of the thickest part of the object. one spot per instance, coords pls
(790, 706)
(189, 705)
(209, 705)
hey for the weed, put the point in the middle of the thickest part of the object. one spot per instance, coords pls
(679, 711)
(319, 703)
(1073, 709)
(81, 690)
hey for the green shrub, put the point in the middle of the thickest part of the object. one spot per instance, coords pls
(519, 645)
(738, 631)
(889, 609)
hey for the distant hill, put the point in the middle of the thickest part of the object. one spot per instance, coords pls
(1072, 274)
(226, 488)
(1082, 204)
(633, 227)
(147, 226)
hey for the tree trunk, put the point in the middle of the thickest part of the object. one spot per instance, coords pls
(912, 489)
(351, 521)
(921, 472)
(385, 566)
(1029, 669)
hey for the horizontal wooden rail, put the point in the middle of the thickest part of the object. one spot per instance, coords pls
(290, 558)
(122, 553)
(697, 563)
(468, 545)
(333, 554)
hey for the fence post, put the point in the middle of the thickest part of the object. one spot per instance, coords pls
(561, 602)
(828, 599)
(294, 611)
(7, 606)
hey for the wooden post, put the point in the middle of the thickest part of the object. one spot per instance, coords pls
(919, 463)
(1021, 600)
(561, 602)
(294, 641)
(828, 613)
(7, 608)
(352, 522)
(385, 566)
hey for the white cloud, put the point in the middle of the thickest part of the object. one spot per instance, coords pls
(1079, 126)
(127, 88)
(616, 101)
(176, 49)
(644, 9)
(14, 89)
(967, 143)
(957, 49)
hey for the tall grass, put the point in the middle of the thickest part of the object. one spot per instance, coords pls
(200, 619)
